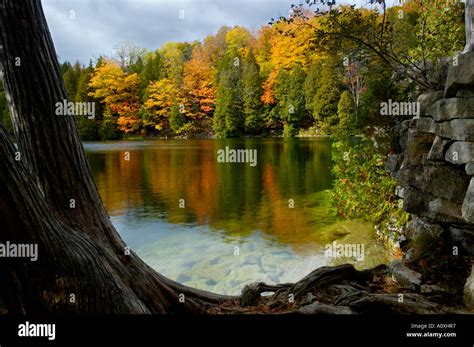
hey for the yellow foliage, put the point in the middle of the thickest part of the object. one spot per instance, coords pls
(118, 92)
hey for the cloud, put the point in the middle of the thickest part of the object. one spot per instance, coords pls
(85, 29)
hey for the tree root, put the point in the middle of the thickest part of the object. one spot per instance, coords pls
(336, 290)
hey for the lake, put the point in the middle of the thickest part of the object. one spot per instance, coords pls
(220, 225)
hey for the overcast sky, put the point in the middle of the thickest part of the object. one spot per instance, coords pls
(84, 29)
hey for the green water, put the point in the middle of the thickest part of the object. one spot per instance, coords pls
(218, 226)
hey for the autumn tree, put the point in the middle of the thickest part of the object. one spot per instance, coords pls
(119, 94)
(406, 37)
(162, 95)
(198, 84)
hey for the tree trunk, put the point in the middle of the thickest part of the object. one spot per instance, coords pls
(82, 266)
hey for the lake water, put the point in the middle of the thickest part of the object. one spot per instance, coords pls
(218, 226)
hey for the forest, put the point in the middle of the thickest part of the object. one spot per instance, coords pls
(310, 73)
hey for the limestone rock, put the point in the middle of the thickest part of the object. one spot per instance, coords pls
(465, 93)
(403, 129)
(414, 201)
(426, 100)
(400, 192)
(405, 276)
(444, 181)
(463, 236)
(469, 290)
(445, 207)
(393, 161)
(438, 149)
(460, 153)
(457, 129)
(470, 169)
(419, 227)
(417, 147)
(424, 125)
(460, 76)
(454, 108)
(468, 204)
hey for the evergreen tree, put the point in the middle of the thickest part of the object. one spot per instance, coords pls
(152, 68)
(296, 108)
(327, 96)
(71, 78)
(311, 86)
(291, 101)
(136, 67)
(282, 86)
(65, 66)
(88, 129)
(177, 118)
(345, 113)
(82, 88)
(252, 91)
(229, 120)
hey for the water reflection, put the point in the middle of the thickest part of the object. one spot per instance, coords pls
(218, 226)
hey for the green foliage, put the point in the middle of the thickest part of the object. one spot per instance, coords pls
(71, 79)
(291, 100)
(252, 91)
(327, 96)
(311, 86)
(108, 129)
(362, 187)
(152, 69)
(177, 119)
(345, 113)
(296, 110)
(229, 118)
(87, 128)
(82, 89)
(289, 131)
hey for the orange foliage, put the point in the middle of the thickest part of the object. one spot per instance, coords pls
(118, 91)
(198, 80)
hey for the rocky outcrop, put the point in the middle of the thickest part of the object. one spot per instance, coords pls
(435, 167)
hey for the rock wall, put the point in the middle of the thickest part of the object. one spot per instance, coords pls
(435, 164)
